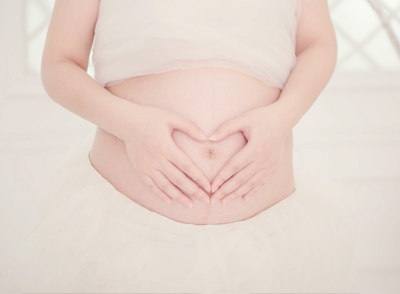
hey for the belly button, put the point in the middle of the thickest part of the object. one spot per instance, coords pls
(211, 153)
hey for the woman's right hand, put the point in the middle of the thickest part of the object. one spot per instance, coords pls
(159, 162)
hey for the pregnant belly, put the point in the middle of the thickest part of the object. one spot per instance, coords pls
(208, 96)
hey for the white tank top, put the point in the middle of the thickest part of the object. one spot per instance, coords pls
(140, 37)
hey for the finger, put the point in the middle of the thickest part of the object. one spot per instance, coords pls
(148, 181)
(168, 188)
(258, 187)
(180, 180)
(248, 186)
(251, 192)
(235, 164)
(239, 179)
(182, 161)
(187, 126)
(229, 127)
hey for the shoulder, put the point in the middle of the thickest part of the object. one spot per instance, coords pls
(71, 31)
(314, 25)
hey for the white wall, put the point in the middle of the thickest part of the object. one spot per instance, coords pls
(353, 137)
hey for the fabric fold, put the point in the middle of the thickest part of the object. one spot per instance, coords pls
(139, 37)
(95, 239)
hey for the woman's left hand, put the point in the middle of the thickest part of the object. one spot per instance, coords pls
(257, 161)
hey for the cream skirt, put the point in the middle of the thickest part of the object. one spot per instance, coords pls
(94, 239)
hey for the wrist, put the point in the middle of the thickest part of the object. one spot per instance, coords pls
(281, 117)
(123, 118)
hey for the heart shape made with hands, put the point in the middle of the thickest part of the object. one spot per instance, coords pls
(265, 132)
(209, 156)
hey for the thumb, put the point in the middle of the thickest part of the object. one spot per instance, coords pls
(187, 126)
(227, 128)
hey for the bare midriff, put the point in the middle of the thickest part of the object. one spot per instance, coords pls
(208, 96)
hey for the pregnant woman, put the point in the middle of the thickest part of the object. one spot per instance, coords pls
(153, 202)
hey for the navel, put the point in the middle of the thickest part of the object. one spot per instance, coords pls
(211, 153)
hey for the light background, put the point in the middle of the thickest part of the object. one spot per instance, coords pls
(350, 135)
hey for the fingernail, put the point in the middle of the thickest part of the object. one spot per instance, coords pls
(213, 136)
(213, 189)
(188, 204)
(206, 199)
(168, 201)
(203, 136)
(226, 200)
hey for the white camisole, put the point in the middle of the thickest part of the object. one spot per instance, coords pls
(141, 37)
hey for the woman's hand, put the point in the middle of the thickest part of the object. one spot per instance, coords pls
(257, 161)
(160, 163)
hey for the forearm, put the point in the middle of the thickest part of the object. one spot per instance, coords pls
(310, 75)
(70, 86)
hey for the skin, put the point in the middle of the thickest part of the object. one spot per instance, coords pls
(265, 127)
(208, 96)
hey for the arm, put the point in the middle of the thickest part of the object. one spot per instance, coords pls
(64, 68)
(159, 162)
(316, 51)
(266, 128)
